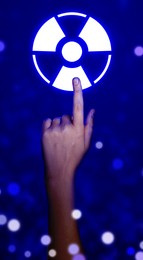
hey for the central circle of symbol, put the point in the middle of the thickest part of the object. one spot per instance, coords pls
(71, 45)
(72, 51)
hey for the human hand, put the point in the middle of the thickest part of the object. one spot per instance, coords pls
(65, 140)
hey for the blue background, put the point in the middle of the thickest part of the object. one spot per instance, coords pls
(109, 181)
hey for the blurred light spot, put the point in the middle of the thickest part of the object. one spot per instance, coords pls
(76, 214)
(52, 253)
(139, 256)
(99, 145)
(130, 251)
(107, 238)
(117, 164)
(3, 220)
(0, 192)
(138, 51)
(11, 248)
(27, 254)
(79, 257)
(45, 240)
(2, 46)
(13, 225)
(73, 249)
(13, 189)
(141, 245)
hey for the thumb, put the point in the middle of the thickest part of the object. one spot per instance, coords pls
(89, 128)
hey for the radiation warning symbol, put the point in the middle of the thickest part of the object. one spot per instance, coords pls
(71, 45)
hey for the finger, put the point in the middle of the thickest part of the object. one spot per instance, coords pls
(46, 124)
(78, 117)
(66, 120)
(56, 122)
(89, 128)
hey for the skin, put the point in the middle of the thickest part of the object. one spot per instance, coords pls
(65, 141)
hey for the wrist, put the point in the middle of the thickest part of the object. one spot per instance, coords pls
(60, 194)
(56, 177)
(59, 182)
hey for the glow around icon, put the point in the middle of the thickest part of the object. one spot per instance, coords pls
(51, 34)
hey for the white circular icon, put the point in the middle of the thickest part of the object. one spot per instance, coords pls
(72, 51)
(71, 45)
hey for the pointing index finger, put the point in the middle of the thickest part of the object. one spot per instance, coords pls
(78, 117)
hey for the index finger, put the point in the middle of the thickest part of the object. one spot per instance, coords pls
(78, 114)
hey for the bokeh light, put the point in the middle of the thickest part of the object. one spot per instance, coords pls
(117, 164)
(13, 225)
(130, 251)
(13, 189)
(79, 257)
(99, 145)
(141, 245)
(2, 46)
(139, 256)
(3, 220)
(52, 253)
(107, 238)
(11, 248)
(76, 214)
(73, 249)
(27, 254)
(45, 240)
(138, 51)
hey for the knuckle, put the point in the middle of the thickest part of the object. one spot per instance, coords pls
(57, 119)
(66, 118)
(47, 121)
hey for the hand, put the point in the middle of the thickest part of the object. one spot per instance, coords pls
(65, 140)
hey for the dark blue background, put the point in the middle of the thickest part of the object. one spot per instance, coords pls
(109, 182)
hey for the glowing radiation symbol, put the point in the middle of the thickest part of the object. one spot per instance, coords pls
(71, 45)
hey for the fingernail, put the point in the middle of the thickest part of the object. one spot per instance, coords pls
(76, 81)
